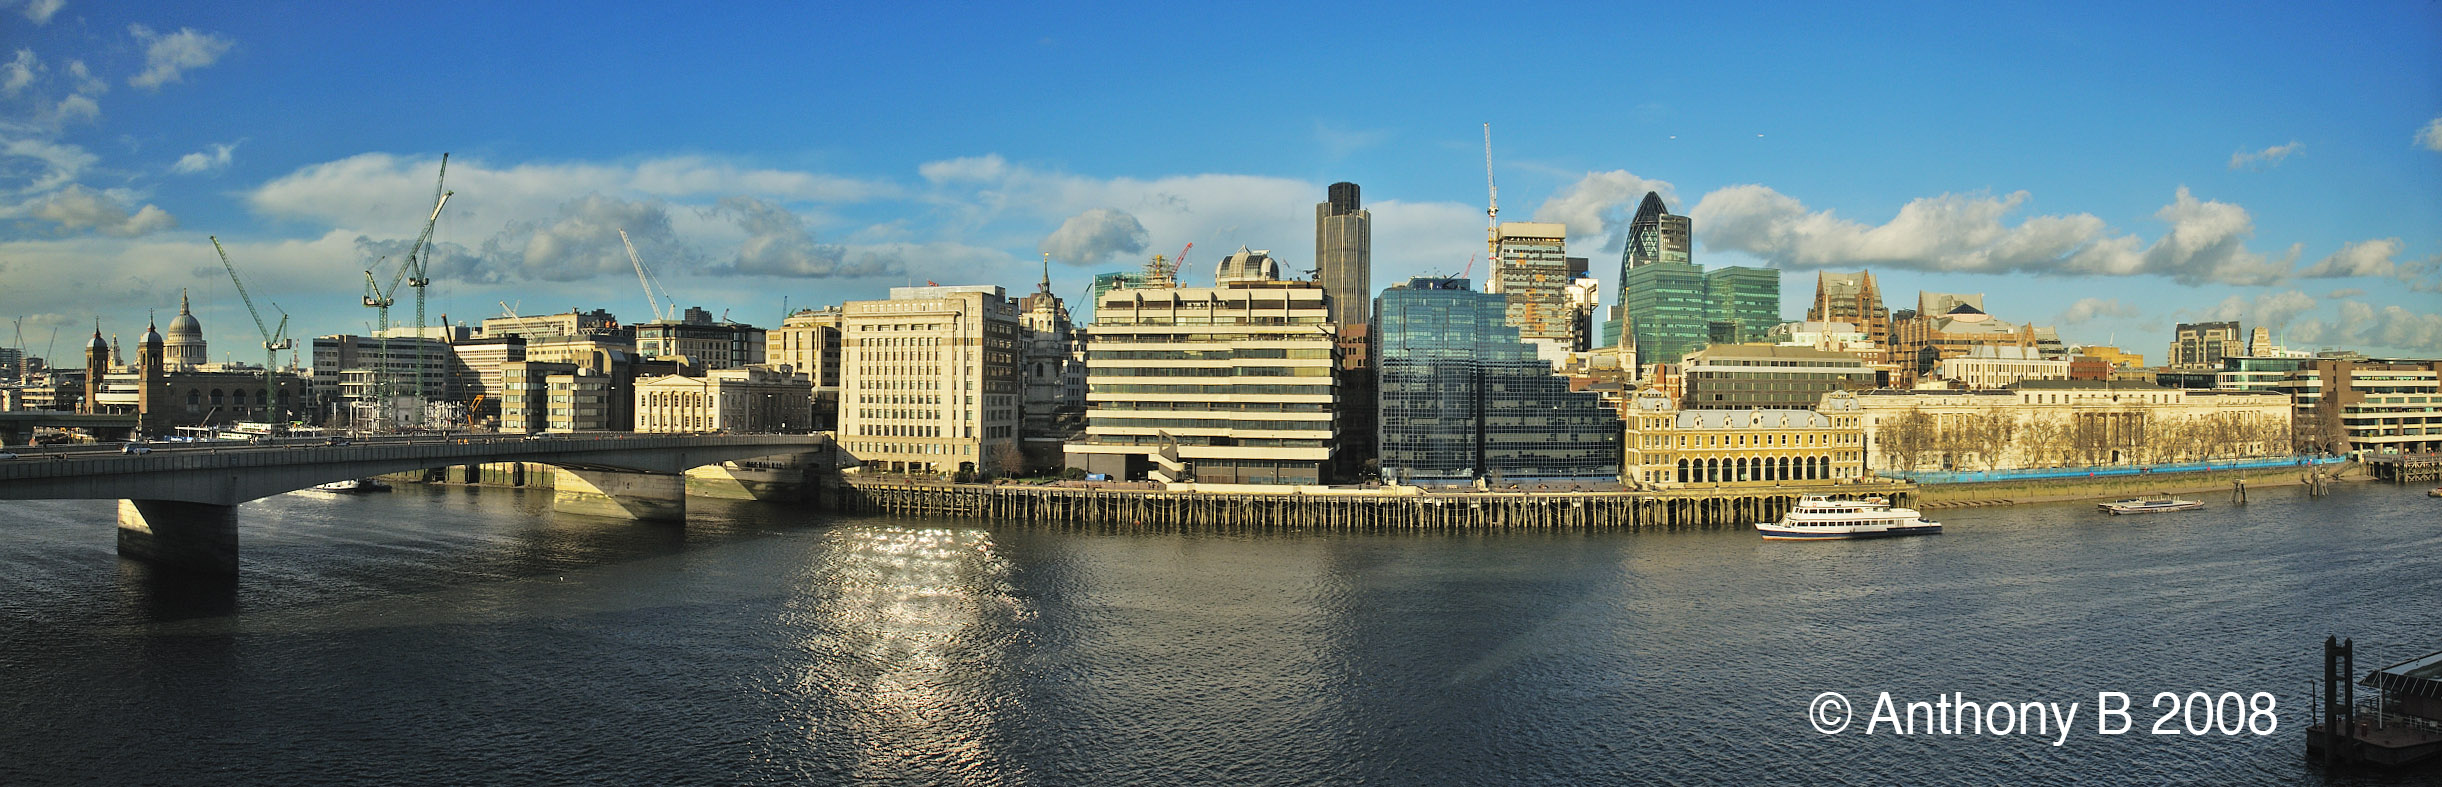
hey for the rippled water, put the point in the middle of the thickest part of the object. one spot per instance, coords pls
(445, 635)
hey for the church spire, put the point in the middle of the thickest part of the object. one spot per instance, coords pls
(1046, 286)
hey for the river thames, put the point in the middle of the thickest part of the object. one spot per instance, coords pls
(448, 635)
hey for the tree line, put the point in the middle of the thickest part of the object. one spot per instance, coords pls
(1991, 440)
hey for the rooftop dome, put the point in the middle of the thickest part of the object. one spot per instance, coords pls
(184, 329)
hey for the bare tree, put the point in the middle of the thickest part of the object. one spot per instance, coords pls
(2043, 434)
(1007, 459)
(1905, 439)
(1989, 434)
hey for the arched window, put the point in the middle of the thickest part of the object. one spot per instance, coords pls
(216, 397)
(194, 397)
(1682, 476)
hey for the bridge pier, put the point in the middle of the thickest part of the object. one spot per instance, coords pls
(197, 537)
(622, 494)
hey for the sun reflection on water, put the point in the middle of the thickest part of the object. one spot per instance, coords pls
(904, 632)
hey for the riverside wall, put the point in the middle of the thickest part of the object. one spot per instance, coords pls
(1991, 493)
(1340, 510)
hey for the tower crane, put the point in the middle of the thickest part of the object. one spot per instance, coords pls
(1178, 265)
(417, 256)
(379, 300)
(648, 284)
(1492, 214)
(274, 339)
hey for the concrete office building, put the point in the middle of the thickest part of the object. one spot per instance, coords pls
(1465, 399)
(1768, 376)
(2203, 345)
(1229, 384)
(1530, 267)
(1998, 367)
(809, 342)
(929, 381)
(712, 345)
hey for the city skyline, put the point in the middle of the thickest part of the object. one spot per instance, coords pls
(2118, 189)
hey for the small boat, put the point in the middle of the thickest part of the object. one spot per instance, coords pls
(2434, 492)
(1820, 518)
(353, 486)
(2138, 505)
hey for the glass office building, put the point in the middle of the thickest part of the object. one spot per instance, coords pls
(1667, 311)
(1464, 397)
(1745, 301)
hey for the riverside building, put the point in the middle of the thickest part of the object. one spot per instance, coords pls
(1053, 367)
(1669, 446)
(2069, 423)
(1464, 398)
(929, 381)
(743, 400)
(809, 342)
(1228, 384)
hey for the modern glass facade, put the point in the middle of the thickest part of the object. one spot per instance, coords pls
(1464, 397)
(1654, 235)
(1747, 301)
(1668, 310)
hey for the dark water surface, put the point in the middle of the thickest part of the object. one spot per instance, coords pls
(451, 636)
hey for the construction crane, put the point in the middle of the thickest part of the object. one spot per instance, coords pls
(648, 282)
(1492, 213)
(1178, 265)
(274, 339)
(417, 257)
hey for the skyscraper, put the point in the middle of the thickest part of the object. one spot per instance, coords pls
(1668, 314)
(1344, 254)
(1530, 265)
(1654, 235)
(1464, 397)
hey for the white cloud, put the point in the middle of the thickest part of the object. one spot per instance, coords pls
(2419, 332)
(86, 82)
(2263, 159)
(378, 191)
(582, 241)
(2430, 137)
(2087, 310)
(41, 11)
(19, 73)
(971, 168)
(2363, 258)
(778, 244)
(213, 158)
(76, 209)
(168, 57)
(1965, 234)
(1598, 205)
(2345, 292)
(1094, 237)
(2272, 310)
(77, 107)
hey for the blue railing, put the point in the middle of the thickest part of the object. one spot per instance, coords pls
(1937, 477)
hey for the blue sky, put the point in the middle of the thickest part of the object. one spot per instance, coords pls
(2111, 170)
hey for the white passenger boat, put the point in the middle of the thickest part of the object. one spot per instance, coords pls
(1820, 518)
(352, 486)
(2138, 505)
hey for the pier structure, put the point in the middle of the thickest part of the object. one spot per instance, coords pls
(1348, 509)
